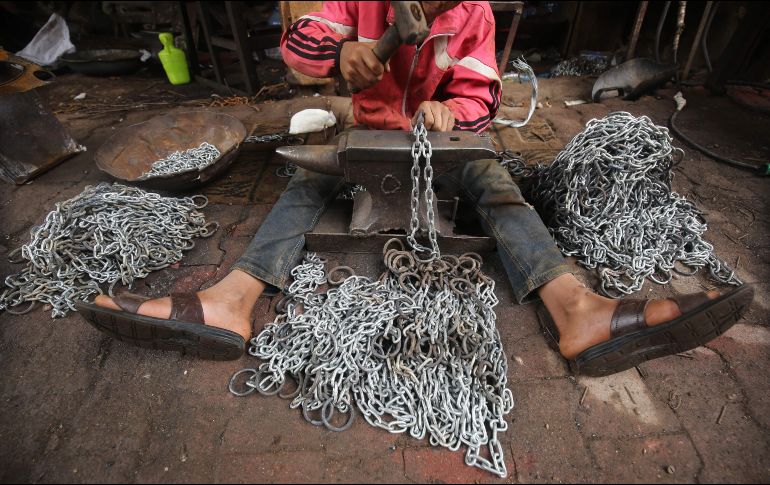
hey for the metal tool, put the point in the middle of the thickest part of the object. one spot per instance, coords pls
(410, 28)
(381, 162)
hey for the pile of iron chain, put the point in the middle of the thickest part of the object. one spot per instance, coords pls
(415, 351)
(581, 66)
(607, 200)
(184, 161)
(106, 235)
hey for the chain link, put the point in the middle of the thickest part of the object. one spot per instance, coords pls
(607, 200)
(184, 161)
(415, 351)
(106, 235)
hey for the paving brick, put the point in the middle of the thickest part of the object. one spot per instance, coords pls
(267, 424)
(308, 466)
(436, 465)
(700, 361)
(233, 248)
(737, 449)
(270, 185)
(746, 348)
(529, 356)
(205, 252)
(647, 460)
(252, 217)
(544, 438)
(621, 405)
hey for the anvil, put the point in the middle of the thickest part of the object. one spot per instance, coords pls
(381, 162)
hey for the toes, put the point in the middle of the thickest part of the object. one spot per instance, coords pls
(106, 301)
(712, 294)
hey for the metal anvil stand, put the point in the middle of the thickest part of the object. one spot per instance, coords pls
(381, 162)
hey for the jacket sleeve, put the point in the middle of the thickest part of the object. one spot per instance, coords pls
(474, 87)
(312, 44)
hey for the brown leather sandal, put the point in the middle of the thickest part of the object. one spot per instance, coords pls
(632, 341)
(184, 331)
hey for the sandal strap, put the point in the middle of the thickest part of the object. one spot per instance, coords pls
(130, 302)
(186, 307)
(688, 303)
(628, 317)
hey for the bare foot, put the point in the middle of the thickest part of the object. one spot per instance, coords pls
(583, 317)
(227, 304)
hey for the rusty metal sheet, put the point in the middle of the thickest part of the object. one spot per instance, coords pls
(31, 138)
(331, 234)
(130, 152)
(18, 75)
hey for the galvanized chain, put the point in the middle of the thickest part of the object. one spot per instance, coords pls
(184, 161)
(106, 235)
(415, 351)
(581, 66)
(422, 148)
(516, 166)
(607, 200)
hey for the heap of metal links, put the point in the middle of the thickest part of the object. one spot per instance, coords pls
(415, 351)
(581, 66)
(184, 161)
(607, 200)
(108, 234)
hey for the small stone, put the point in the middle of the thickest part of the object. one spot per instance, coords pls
(670, 469)
(546, 426)
(165, 468)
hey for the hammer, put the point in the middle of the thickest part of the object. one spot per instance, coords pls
(410, 28)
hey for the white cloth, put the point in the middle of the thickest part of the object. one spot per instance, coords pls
(311, 120)
(50, 42)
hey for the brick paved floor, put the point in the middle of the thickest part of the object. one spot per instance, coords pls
(78, 406)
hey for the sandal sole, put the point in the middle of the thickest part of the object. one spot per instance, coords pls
(684, 333)
(193, 339)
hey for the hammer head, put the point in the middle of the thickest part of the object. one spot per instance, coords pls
(411, 22)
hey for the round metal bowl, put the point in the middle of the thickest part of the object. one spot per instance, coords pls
(130, 152)
(104, 62)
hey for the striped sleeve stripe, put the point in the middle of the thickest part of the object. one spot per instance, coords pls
(341, 29)
(295, 30)
(312, 57)
(306, 50)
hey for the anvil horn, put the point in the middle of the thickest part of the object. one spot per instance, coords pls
(316, 158)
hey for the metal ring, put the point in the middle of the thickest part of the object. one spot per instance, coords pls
(296, 392)
(308, 418)
(342, 280)
(13, 253)
(32, 305)
(249, 389)
(206, 232)
(328, 409)
(200, 206)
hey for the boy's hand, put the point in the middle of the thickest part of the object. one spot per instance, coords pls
(438, 117)
(359, 66)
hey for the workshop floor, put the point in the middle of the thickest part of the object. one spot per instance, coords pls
(78, 406)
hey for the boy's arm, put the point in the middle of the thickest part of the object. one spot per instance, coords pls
(313, 43)
(474, 88)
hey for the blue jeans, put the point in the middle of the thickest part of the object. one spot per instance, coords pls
(528, 252)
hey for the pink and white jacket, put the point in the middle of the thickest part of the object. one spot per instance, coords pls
(455, 64)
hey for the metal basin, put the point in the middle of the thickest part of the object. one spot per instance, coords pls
(10, 71)
(130, 152)
(104, 62)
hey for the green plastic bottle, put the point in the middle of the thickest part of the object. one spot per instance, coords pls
(173, 60)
